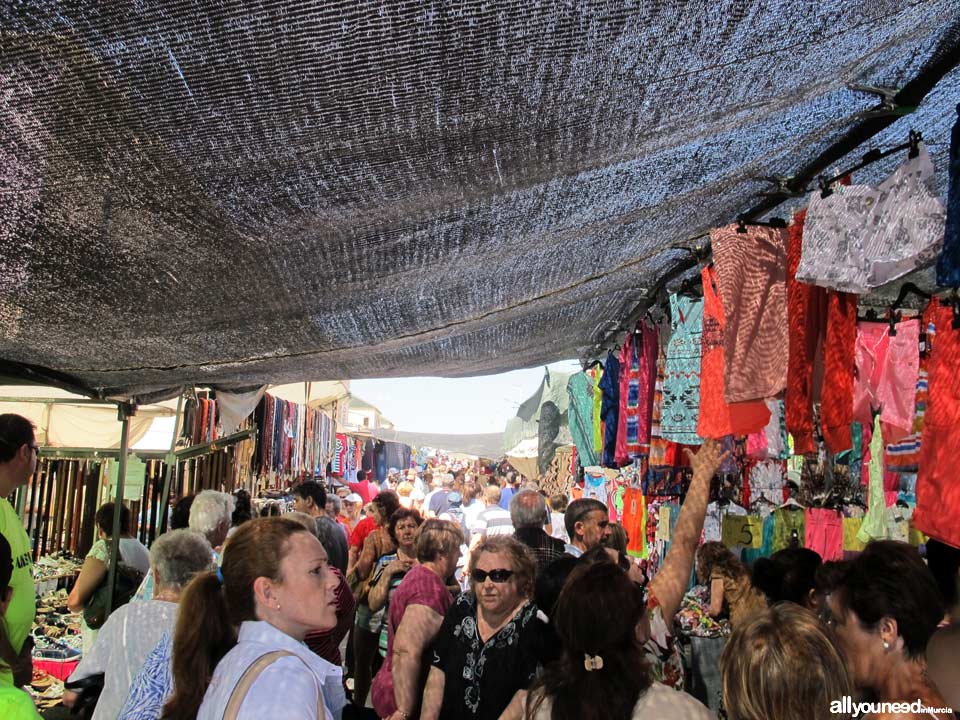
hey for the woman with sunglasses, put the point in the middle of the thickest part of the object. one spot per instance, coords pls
(486, 653)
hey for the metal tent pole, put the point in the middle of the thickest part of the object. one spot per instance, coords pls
(124, 411)
(170, 466)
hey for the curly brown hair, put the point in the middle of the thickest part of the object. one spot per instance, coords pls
(717, 556)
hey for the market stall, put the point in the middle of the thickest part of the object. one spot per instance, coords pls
(829, 382)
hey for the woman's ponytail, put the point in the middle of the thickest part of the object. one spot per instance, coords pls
(204, 634)
(215, 604)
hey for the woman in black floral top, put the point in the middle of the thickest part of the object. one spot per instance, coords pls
(486, 653)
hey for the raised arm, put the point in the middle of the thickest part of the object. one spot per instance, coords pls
(669, 585)
(368, 556)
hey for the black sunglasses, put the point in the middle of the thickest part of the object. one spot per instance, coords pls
(498, 576)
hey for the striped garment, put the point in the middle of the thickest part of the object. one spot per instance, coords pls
(904, 457)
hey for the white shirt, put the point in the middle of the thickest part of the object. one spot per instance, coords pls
(472, 511)
(558, 527)
(658, 702)
(285, 690)
(121, 647)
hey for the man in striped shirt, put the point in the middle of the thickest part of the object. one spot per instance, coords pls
(494, 520)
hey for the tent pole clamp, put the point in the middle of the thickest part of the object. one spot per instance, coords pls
(782, 186)
(888, 101)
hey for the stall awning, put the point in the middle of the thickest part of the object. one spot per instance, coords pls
(485, 445)
(63, 419)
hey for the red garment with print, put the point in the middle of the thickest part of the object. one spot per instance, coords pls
(938, 485)
(818, 316)
(633, 514)
(638, 375)
(718, 418)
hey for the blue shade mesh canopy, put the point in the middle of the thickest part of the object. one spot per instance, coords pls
(231, 193)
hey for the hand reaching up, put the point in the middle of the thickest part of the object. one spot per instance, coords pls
(708, 459)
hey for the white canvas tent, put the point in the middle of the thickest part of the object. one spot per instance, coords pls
(66, 420)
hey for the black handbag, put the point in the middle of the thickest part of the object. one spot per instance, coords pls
(95, 610)
(88, 689)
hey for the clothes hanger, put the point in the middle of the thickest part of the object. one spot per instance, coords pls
(894, 314)
(774, 222)
(792, 504)
(872, 156)
(856, 503)
(762, 499)
(908, 288)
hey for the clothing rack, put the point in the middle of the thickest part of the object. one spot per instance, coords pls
(744, 220)
(869, 127)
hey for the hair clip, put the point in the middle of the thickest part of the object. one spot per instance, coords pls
(220, 576)
(592, 662)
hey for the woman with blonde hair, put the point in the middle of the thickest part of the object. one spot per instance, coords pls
(780, 664)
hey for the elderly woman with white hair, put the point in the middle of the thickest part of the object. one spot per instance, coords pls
(211, 515)
(132, 631)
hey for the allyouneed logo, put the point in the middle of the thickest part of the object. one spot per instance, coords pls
(847, 706)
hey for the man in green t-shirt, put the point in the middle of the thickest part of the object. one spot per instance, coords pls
(14, 704)
(18, 461)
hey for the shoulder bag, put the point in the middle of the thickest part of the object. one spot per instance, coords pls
(250, 676)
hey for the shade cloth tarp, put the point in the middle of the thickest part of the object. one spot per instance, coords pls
(237, 193)
(77, 426)
(552, 394)
(486, 445)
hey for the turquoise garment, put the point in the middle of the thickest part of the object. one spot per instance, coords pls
(874, 525)
(854, 456)
(766, 546)
(580, 389)
(681, 383)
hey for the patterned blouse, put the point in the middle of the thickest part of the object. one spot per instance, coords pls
(153, 684)
(481, 678)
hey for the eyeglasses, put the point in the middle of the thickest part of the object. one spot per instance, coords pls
(498, 576)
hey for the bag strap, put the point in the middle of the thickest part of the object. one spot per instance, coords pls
(250, 676)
